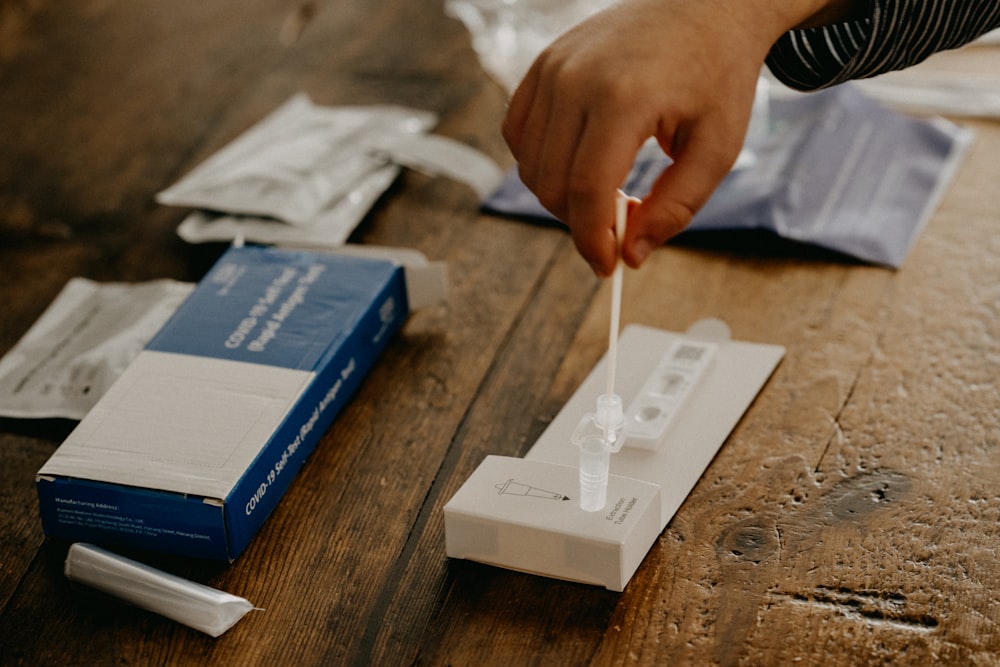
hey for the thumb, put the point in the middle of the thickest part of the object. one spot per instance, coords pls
(676, 196)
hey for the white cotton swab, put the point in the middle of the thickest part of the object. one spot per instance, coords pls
(600, 433)
(609, 412)
(621, 216)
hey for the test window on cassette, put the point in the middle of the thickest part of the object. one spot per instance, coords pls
(665, 391)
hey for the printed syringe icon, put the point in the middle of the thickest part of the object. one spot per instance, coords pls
(512, 488)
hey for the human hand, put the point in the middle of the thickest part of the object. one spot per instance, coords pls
(681, 71)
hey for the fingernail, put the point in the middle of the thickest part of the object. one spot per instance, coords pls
(599, 269)
(641, 249)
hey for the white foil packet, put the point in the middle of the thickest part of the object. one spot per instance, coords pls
(431, 154)
(296, 162)
(81, 344)
(330, 229)
(306, 175)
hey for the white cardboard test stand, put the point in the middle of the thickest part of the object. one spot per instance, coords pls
(524, 513)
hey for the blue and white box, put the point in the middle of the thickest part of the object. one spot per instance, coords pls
(191, 448)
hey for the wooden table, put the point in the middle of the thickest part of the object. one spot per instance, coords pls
(853, 516)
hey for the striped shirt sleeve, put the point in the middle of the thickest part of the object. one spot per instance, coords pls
(895, 34)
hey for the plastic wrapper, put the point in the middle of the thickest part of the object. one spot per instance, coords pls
(195, 605)
(508, 35)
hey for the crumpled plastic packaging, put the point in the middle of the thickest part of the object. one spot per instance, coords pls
(508, 35)
(195, 605)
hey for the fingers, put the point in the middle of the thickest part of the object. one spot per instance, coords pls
(680, 191)
(574, 161)
(558, 137)
(543, 126)
(582, 112)
(521, 106)
(574, 152)
(602, 159)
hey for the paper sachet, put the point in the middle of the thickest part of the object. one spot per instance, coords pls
(306, 175)
(296, 162)
(331, 227)
(81, 344)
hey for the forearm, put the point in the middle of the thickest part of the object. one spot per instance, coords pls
(876, 37)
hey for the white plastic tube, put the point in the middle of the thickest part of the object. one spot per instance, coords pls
(197, 606)
(594, 460)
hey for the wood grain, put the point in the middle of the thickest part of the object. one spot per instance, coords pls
(852, 517)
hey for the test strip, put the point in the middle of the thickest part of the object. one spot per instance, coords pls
(664, 392)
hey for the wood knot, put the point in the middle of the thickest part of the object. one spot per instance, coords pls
(752, 540)
(858, 496)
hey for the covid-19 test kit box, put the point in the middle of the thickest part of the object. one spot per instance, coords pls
(191, 448)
